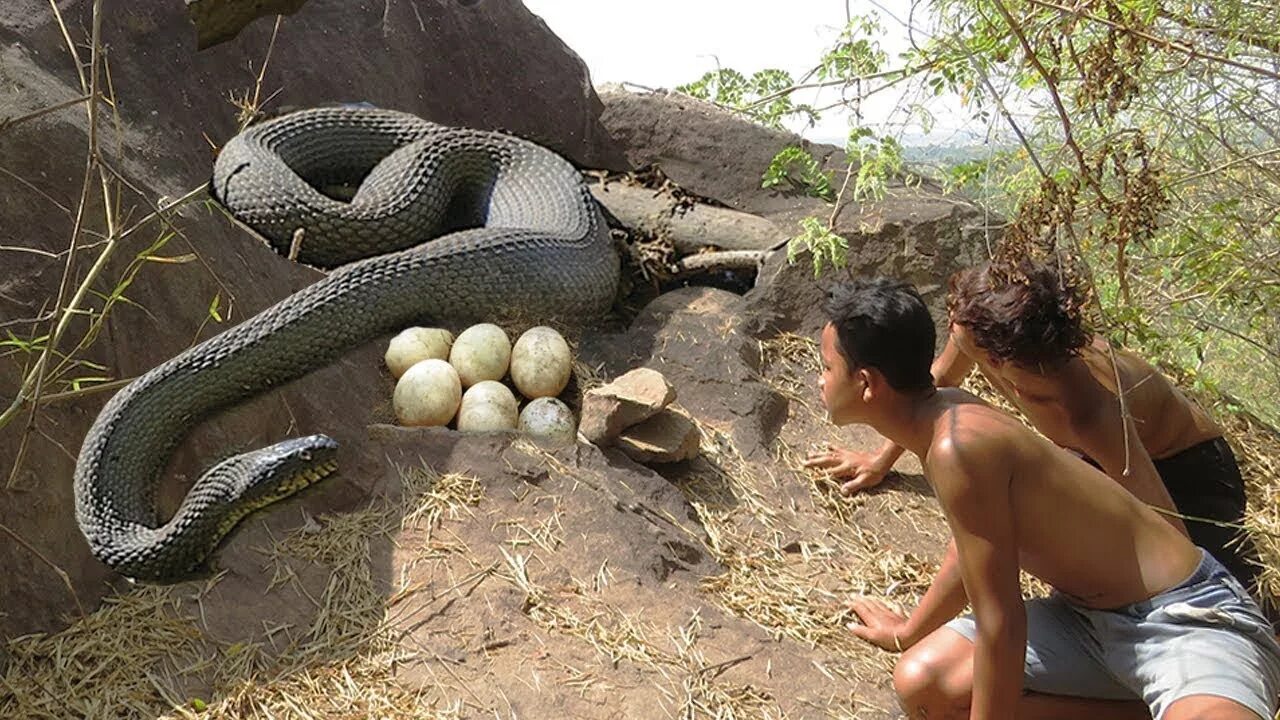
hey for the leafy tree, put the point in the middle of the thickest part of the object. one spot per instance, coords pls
(1147, 150)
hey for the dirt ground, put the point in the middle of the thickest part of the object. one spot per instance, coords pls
(486, 576)
(489, 577)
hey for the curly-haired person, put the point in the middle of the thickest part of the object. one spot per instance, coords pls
(1025, 336)
(1141, 623)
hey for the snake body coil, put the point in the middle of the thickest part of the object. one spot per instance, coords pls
(447, 224)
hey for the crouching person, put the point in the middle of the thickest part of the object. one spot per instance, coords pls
(1141, 623)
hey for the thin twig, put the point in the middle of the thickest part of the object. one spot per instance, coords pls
(82, 392)
(1165, 43)
(1125, 419)
(7, 124)
(841, 82)
(66, 580)
(38, 372)
(1224, 166)
(1004, 111)
(1064, 118)
(158, 213)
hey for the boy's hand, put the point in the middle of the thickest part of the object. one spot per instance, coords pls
(880, 624)
(863, 470)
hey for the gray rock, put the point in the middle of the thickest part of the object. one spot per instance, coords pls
(218, 21)
(914, 233)
(491, 65)
(696, 337)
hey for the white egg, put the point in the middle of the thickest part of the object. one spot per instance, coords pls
(481, 352)
(548, 418)
(428, 393)
(541, 363)
(415, 344)
(488, 405)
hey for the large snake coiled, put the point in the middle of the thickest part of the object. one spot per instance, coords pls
(447, 224)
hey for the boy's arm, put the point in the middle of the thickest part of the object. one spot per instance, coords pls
(951, 366)
(943, 601)
(866, 470)
(973, 488)
(1100, 432)
(885, 628)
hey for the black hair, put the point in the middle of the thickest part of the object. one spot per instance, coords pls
(884, 324)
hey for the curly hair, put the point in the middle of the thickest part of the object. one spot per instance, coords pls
(884, 324)
(1028, 315)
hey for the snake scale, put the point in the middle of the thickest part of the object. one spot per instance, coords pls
(447, 224)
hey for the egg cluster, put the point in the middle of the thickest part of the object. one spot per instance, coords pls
(443, 380)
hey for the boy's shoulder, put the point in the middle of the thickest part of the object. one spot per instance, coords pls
(971, 438)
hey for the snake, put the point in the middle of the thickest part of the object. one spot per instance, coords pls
(445, 224)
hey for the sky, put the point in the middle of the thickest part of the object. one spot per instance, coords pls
(665, 43)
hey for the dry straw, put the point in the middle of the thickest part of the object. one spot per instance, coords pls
(790, 549)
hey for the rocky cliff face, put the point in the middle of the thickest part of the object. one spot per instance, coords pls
(914, 233)
(488, 64)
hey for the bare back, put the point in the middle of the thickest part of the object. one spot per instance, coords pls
(1075, 528)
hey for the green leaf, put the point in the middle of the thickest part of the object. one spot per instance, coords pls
(796, 167)
(826, 247)
(213, 308)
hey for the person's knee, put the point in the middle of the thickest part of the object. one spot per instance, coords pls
(927, 676)
(1206, 707)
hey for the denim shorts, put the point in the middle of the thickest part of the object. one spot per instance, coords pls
(1204, 637)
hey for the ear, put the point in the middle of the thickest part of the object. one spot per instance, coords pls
(868, 379)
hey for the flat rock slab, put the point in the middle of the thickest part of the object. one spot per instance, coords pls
(631, 398)
(670, 436)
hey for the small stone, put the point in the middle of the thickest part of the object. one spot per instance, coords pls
(631, 398)
(670, 436)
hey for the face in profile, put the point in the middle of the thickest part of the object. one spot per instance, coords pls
(839, 386)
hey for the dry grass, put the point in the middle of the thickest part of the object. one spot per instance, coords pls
(690, 686)
(117, 662)
(789, 559)
(793, 362)
(1257, 449)
(133, 656)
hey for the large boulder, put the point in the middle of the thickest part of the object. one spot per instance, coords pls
(491, 65)
(914, 233)
(218, 21)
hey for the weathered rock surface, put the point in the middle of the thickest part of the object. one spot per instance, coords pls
(696, 338)
(491, 64)
(914, 234)
(629, 399)
(667, 437)
(218, 21)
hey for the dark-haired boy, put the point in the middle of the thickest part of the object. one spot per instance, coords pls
(1026, 337)
(1141, 619)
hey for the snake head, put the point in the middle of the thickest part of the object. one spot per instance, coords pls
(280, 470)
(219, 500)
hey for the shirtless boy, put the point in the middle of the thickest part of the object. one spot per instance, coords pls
(1141, 620)
(1032, 348)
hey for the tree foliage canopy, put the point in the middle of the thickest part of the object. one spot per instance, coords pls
(1143, 144)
